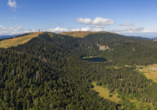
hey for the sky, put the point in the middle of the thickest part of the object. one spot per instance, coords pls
(126, 17)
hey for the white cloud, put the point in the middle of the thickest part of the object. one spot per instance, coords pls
(16, 25)
(57, 29)
(95, 28)
(83, 29)
(11, 28)
(11, 18)
(75, 29)
(26, 31)
(137, 29)
(96, 21)
(12, 3)
(130, 30)
(3, 32)
(84, 20)
(1, 27)
(150, 30)
(127, 24)
(33, 30)
(18, 28)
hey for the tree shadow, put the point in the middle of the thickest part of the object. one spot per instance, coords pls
(95, 59)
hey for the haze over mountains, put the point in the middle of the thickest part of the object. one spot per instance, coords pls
(6, 36)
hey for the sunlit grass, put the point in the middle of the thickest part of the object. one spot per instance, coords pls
(18, 40)
(104, 92)
(150, 72)
(81, 34)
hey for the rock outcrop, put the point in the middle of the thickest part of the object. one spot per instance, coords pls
(103, 47)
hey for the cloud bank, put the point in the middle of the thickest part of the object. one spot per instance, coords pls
(96, 21)
(17, 29)
(57, 29)
(135, 30)
(127, 24)
(2, 28)
(88, 29)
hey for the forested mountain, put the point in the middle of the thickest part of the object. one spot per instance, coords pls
(48, 73)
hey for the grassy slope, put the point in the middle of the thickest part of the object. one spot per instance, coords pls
(154, 39)
(150, 72)
(81, 34)
(104, 92)
(19, 40)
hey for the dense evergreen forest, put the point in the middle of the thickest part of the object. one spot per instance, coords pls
(48, 73)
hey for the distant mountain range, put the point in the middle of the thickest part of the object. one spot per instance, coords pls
(75, 34)
(153, 37)
(6, 36)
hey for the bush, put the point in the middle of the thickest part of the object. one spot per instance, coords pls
(110, 95)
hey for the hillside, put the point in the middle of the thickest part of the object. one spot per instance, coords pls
(18, 40)
(47, 72)
(81, 34)
(154, 39)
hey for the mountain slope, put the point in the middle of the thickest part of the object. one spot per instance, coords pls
(47, 72)
(81, 34)
(30, 82)
(18, 40)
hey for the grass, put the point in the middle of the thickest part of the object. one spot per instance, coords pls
(19, 40)
(50, 34)
(81, 34)
(154, 39)
(88, 57)
(131, 100)
(140, 105)
(127, 66)
(104, 92)
(150, 72)
(115, 67)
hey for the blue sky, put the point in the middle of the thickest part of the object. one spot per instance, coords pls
(128, 17)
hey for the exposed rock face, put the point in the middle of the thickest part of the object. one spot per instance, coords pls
(103, 47)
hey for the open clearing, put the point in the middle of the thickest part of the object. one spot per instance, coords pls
(104, 92)
(150, 72)
(81, 34)
(19, 40)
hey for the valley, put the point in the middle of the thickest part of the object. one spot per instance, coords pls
(54, 71)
